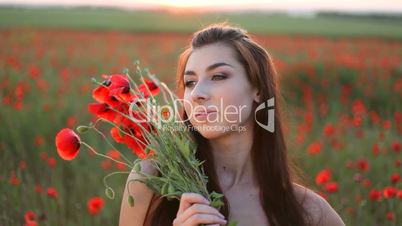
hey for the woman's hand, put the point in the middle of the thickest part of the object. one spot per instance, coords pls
(194, 210)
(148, 168)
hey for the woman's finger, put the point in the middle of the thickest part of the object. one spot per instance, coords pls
(187, 199)
(201, 218)
(199, 209)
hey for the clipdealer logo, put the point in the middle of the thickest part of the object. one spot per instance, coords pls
(269, 104)
(155, 113)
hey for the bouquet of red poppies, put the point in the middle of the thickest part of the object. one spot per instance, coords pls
(145, 117)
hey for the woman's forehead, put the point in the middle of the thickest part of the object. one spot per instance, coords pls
(203, 57)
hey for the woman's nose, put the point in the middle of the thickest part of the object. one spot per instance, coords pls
(199, 93)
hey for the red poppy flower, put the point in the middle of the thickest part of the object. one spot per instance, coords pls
(100, 94)
(314, 148)
(114, 154)
(331, 187)
(116, 135)
(396, 147)
(112, 101)
(358, 108)
(136, 117)
(390, 216)
(389, 192)
(34, 71)
(329, 130)
(323, 176)
(117, 81)
(14, 180)
(375, 195)
(395, 178)
(106, 164)
(152, 87)
(29, 217)
(120, 166)
(51, 162)
(68, 144)
(399, 194)
(95, 205)
(51, 192)
(375, 149)
(122, 94)
(102, 110)
(113, 91)
(363, 164)
(136, 146)
(366, 183)
(397, 163)
(38, 189)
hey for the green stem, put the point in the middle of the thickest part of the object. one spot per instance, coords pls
(107, 140)
(111, 174)
(99, 154)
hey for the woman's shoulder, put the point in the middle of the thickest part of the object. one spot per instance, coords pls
(319, 210)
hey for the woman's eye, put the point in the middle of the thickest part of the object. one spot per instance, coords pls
(189, 83)
(219, 77)
(214, 77)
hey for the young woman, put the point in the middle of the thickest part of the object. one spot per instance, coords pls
(224, 77)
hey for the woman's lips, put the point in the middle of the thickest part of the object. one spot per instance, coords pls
(203, 115)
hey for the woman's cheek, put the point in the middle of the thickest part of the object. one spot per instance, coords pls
(237, 111)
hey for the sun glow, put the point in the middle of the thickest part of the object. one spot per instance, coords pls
(199, 4)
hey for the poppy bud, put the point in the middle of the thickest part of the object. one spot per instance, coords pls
(137, 167)
(94, 80)
(109, 192)
(82, 129)
(131, 200)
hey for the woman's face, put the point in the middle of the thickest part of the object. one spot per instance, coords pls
(218, 97)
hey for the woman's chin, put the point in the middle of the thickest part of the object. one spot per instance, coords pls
(211, 131)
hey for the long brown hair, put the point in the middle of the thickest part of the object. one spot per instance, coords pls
(274, 172)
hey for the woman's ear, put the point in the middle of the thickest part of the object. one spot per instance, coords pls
(257, 97)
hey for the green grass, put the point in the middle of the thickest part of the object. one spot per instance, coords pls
(160, 21)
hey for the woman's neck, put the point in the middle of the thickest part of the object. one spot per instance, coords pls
(233, 163)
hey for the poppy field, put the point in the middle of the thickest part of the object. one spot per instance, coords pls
(343, 105)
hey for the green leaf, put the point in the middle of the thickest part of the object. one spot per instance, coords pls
(217, 203)
(233, 223)
(120, 132)
(216, 195)
(165, 189)
(171, 189)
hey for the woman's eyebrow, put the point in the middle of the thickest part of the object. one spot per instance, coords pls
(209, 68)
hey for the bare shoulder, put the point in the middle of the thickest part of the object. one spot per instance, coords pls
(136, 215)
(317, 207)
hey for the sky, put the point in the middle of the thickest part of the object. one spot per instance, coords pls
(391, 6)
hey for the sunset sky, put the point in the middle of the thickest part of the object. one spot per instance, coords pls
(394, 6)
